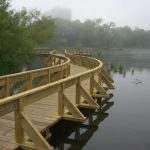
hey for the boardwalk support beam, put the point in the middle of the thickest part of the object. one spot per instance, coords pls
(101, 91)
(76, 115)
(107, 80)
(90, 102)
(34, 134)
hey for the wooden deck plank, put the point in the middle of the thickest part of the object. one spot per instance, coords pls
(42, 114)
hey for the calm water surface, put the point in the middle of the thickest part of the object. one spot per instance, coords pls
(124, 121)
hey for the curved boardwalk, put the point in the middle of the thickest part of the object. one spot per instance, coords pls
(43, 113)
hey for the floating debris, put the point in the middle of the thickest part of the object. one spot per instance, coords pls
(137, 81)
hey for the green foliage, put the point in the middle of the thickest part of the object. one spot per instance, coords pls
(19, 33)
(15, 43)
(97, 34)
(42, 30)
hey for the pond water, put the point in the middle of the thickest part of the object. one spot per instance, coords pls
(124, 121)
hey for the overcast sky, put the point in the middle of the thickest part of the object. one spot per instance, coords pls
(135, 13)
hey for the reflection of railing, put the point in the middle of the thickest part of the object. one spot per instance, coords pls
(66, 109)
(82, 132)
(59, 68)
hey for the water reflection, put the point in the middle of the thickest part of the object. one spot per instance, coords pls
(74, 136)
(114, 68)
(127, 123)
(129, 59)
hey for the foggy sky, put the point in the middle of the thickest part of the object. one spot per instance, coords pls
(134, 13)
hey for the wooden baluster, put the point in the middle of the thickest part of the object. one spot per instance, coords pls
(93, 63)
(99, 78)
(78, 94)
(54, 60)
(92, 85)
(59, 60)
(61, 73)
(7, 86)
(19, 132)
(29, 81)
(60, 101)
(68, 70)
(49, 76)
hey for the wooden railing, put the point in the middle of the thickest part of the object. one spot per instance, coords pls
(66, 109)
(58, 68)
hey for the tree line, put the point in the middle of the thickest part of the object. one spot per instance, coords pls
(22, 31)
(97, 34)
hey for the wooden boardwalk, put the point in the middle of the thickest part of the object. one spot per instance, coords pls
(43, 114)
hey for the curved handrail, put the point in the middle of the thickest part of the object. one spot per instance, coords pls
(60, 64)
(17, 102)
(83, 76)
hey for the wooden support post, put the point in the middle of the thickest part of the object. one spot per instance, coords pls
(68, 69)
(99, 78)
(54, 60)
(93, 64)
(90, 102)
(92, 85)
(29, 82)
(76, 115)
(80, 57)
(101, 90)
(61, 74)
(107, 76)
(65, 73)
(61, 101)
(7, 90)
(59, 60)
(107, 80)
(78, 95)
(34, 134)
(49, 76)
(61, 146)
(77, 133)
(19, 132)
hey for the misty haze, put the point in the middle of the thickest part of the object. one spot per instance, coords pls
(74, 75)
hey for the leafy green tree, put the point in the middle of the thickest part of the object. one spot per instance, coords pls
(97, 34)
(40, 28)
(19, 33)
(15, 44)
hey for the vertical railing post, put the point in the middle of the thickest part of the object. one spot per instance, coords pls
(59, 60)
(19, 132)
(54, 60)
(29, 81)
(93, 63)
(7, 90)
(61, 74)
(99, 77)
(78, 94)
(60, 101)
(80, 60)
(49, 75)
(92, 85)
(68, 70)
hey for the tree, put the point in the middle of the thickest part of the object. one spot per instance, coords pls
(15, 44)
(19, 33)
(40, 28)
